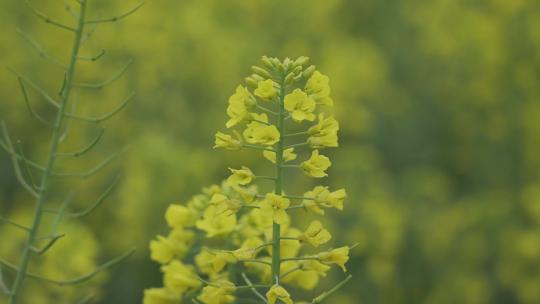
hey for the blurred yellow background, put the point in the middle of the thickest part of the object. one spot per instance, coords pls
(439, 104)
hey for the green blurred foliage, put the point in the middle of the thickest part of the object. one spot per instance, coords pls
(440, 149)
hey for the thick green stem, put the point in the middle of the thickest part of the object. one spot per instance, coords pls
(51, 159)
(276, 229)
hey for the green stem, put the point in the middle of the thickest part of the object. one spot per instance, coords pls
(290, 166)
(262, 246)
(258, 147)
(326, 294)
(296, 134)
(290, 238)
(254, 290)
(266, 110)
(296, 207)
(297, 145)
(265, 177)
(262, 122)
(290, 271)
(299, 197)
(250, 286)
(276, 229)
(255, 261)
(306, 258)
(51, 159)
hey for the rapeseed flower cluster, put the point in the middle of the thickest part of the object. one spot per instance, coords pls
(232, 243)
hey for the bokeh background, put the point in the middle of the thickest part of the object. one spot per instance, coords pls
(439, 104)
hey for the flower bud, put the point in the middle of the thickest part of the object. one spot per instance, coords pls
(268, 63)
(257, 77)
(251, 82)
(250, 101)
(300, 61)
(289, 79)
(275, 62)
(297, 74)
(261, 72)
(309, 71)
(287, 63)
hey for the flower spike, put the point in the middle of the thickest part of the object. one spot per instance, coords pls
(243, 230)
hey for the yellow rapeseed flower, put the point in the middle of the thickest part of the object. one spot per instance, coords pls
(203, 260)
(180, 277)
(316, 266)
(220, 259)
(238, 106)
(227, 141)
(254, 223)
(338, 256)
(324, 133)
(265, 90)
(180, 216)
(300, 106)
(220, 294)
(242, 176)
(215, 223)
(274, 206)
(318, 88)
(261, 133)
(224, 204)
(182, 236)
(316, 165)
(315, 234)
(288, 155)
(160, 296)
(247, 194)
(303, 279)
(164, 249)
(320, 197)
(277, 292)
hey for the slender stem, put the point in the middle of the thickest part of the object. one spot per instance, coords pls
(289, 272)
(255, 261)
(266, 110)
(3, 288)
(14, 224)
(269, 244)
(290, 166)
(251, 207)
(299, 197)
(297, 145)
(263, 245)
(290, 238)
(276, 229)
(53, 149)
(258, 147)
(254, 290)
(326, 294)
(296, 207)
(261, 122)
(296, 134)
(236, 287)
(265, 177)
(306, 258)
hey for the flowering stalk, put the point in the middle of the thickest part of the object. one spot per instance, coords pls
(276, 228)
(232, 228)
(59, 130)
